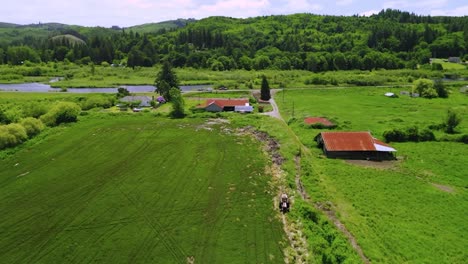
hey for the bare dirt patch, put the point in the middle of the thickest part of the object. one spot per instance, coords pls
(443, 188)
(272, 146)
(386, 164)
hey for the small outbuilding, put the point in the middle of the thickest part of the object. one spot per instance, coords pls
(243, 109)
(320, 121)
(354, 145)
(145, 101)
(454, 59)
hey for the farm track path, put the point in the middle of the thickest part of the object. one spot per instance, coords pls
(301, 190)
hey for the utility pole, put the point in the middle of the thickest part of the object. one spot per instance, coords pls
(283, 95)
(293, 109)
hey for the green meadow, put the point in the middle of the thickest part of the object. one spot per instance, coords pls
(134, 188)
(412, 210)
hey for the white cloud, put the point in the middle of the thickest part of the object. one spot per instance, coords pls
(295, 6)
(458, 11)
(369, 13)
(231, 8)
(415, 4)
(344, 2)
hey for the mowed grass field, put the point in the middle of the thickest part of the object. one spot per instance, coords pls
(138, 189)
(411, 211)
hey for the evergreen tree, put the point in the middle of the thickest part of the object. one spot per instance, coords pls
(452, 121)
(165, 80)
(440, 88)
(265, 90)
(177, 103)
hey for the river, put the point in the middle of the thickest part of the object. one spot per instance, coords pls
(45, 88)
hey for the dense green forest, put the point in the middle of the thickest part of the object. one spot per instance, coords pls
(391, 39)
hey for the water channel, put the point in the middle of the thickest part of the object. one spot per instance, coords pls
(44, 88)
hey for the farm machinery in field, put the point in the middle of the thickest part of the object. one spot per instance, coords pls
(284, 203)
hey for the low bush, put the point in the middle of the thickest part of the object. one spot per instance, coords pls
(463, 138)
(97, 101)
(412, 134)
(32, 126)
(63, 112)
(34, 109)
(12, 135)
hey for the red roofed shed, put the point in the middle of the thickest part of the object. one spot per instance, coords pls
(319, 120)
(354, 145)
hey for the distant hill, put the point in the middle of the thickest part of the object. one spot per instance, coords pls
(165, 25)
(8, 25)
(73, 40)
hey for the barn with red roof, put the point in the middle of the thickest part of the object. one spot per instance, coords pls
(218, 105)
(354, 145)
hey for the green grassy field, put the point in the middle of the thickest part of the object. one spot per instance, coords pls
(79, 76)
(413, 211)
(138, 189)
(449, 65)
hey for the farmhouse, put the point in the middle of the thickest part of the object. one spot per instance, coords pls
(464, 89)
(354, 145)
(145, 101)
(318, 121)
(218, 105)
(454, 59)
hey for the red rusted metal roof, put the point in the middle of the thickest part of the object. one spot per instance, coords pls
(227, 102)
(348, 141)
(321, 120)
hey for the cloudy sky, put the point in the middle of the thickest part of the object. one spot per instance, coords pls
(126, 13)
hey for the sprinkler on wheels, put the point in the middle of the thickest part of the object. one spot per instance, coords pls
(284, 203)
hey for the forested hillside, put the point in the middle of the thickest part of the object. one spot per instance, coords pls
(390, 40)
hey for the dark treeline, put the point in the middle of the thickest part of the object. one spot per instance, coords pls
(390, 40)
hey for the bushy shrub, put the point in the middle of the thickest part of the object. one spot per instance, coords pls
(409, 134)
(32, 125)
(12, 135)
(96, 101)
(437, 67)
(395, 135)
(63, 112)
(11, 116)
(463, 138)
(34, 109)
(412, 134)
(426, 135)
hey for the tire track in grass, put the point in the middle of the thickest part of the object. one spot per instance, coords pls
(169, 243)
(85, 197)
(213, 207)
(167, 240)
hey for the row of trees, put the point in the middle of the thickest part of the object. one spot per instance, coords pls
(301, 41)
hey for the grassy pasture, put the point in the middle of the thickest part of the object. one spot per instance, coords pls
(135, 188)
(414, 211)
(450, 65)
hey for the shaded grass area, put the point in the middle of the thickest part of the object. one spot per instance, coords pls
(139, 189)
(411, 212)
